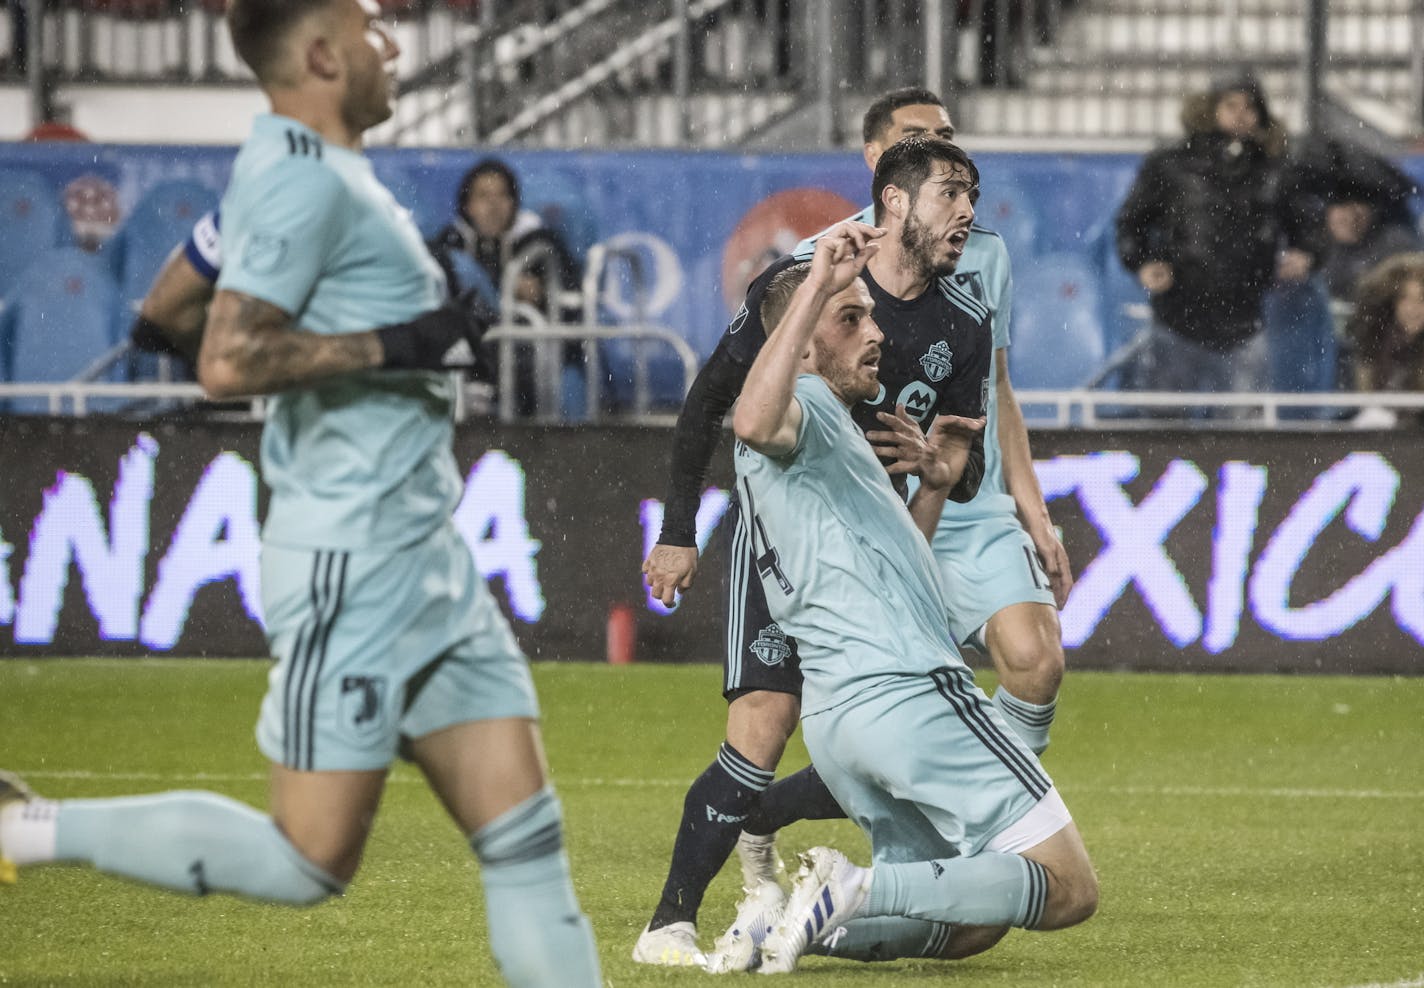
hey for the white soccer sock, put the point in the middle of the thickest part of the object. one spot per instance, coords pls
(27, 831)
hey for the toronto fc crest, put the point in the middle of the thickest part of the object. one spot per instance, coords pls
(938, 362)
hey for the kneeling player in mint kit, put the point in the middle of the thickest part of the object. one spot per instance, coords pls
(383, 631)
(965, 826)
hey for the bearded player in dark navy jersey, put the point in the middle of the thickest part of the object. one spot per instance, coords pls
(935, 360)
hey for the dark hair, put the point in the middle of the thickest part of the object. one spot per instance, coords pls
(778, 294)
(881, 114)
(906, 164)
(259, 27)
(487, 166)
(1375, 296)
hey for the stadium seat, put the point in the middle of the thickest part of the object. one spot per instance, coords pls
(161, 220)
(1057, 332)
(33, 219)
(1008, 211)
(59, 318)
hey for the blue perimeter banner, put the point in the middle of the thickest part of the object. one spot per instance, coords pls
(1193, 550)
(705, 222)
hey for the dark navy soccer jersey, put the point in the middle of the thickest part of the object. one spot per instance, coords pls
(935, 359)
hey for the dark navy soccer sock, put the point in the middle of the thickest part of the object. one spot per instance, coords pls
(800, 796)
(713, 813)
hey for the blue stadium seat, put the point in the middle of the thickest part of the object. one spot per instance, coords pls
(1057, 332)
(1009, 211)
(162, 219)
(59, 318)
(32, 218)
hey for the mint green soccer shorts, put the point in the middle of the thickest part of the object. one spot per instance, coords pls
(371, 647)
(928, 769)
(987, 564)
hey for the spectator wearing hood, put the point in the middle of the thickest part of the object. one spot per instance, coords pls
(1210, 225)
(488, 234)
(1368, 218)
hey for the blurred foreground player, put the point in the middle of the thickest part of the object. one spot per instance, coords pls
(966, 829)
(383, 631)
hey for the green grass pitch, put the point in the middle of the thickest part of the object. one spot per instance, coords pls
(1247, 831)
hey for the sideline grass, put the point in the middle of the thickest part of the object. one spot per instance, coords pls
(1260, 831)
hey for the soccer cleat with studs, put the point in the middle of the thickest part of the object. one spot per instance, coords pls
(674, 945)
(12, 790)
(739, 949)
(829, 890)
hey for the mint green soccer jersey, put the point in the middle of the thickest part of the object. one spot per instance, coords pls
(845, 570)
(362, 460)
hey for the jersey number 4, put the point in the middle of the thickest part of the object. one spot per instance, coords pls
(764, 554)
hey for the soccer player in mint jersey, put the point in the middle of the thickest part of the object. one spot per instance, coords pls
(384, 633)
(966, 828)
(935, 360)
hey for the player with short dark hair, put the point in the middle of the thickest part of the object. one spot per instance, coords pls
(385, 635)
(934, 361)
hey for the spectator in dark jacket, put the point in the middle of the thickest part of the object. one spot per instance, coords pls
(1368, 217)
(1209, 225)
(491, 236)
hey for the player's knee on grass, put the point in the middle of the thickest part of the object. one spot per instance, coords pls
(1072, 898)
(966, 941)
(760, 723)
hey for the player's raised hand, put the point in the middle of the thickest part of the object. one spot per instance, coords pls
(842, 253)
(668, 569)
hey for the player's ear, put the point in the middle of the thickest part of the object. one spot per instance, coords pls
(893, 198)
(872, 150)
(322, 59)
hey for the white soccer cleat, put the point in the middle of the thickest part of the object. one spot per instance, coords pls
(759, 860)
(674, 945)
(739, 949)
(829, 890)
(12, 790)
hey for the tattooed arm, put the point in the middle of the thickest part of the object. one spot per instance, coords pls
(253, 347)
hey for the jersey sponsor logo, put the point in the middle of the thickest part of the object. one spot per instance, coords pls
(938, 362)
(264, 252)
(919, 399)
(363, 705)
(739, 320)
(771, 647)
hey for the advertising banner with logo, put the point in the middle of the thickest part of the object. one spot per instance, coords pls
(1193, 551)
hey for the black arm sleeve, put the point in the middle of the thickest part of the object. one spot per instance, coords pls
(699, 430)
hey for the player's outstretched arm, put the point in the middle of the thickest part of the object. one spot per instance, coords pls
(251, 346)
(1022, 484)
(768, 417)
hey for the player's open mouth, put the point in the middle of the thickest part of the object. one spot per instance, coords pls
(957, 240)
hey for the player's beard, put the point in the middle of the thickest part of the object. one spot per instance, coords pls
(369, 103)
(917, 250)
(843, 378)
